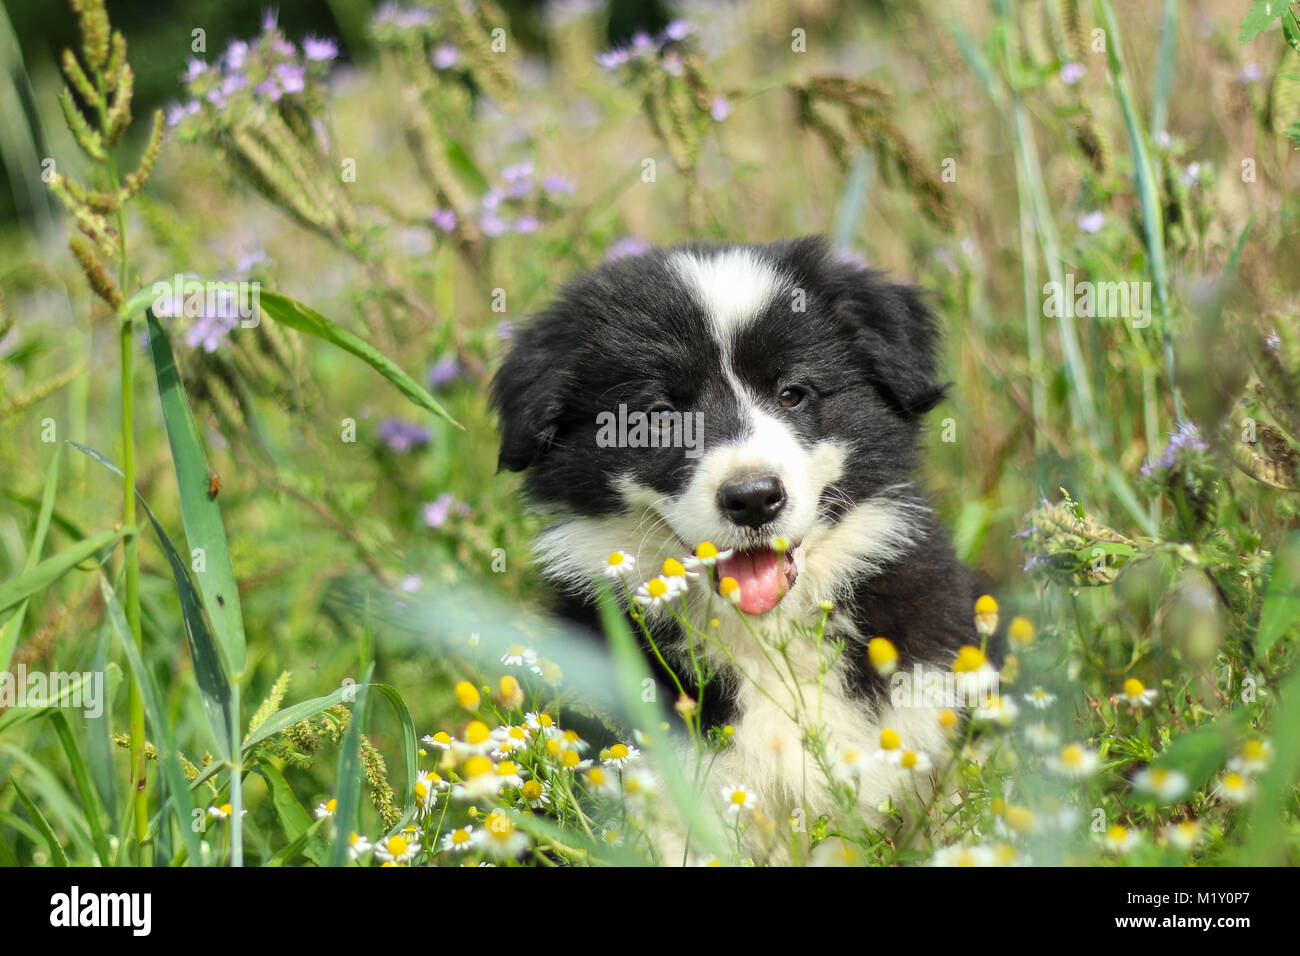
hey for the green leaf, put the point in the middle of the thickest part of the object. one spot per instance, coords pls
(298, 316)
(347, 788)
(53, 568)
(1282, 597)
(300, 843)
(200, 511)
(81, 775)
(1261, 17)
(43, 825)
(295, 821)
(216, 691)
(163, 738)
(1267, 842)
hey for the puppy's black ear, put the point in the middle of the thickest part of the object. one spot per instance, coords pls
(529, 390)
(895, 333)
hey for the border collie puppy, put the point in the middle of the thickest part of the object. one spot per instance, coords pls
(766, 399)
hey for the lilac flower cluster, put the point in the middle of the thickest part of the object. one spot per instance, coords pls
(264, 70)
(644, 47)
(1184, 442)
(436, 512)
(402, 436)
(518, 204)
(443, 372)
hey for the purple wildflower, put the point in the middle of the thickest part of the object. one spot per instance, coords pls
(1186, 440)
(721, 109)
(628, 246)
(443, 220)
(445, 56)
(1072, 73)
(1092, 222)
(194, 69)
(235, 56)
(314, 48)
(678, 30)
(209, 331)
(505, 331)
(558, 185)
(293, 78)
(1250, 73)
(525, 225)
(402, 436)
(493, 225)
(436, 512)
(443, 372)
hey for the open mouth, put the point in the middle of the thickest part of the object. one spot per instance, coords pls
(763, 575)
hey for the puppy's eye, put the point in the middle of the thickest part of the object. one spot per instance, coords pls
(661, 415)
(792, 396)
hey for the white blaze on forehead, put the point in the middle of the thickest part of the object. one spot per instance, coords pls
(732, 285)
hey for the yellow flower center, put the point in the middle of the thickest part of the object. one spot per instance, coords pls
(517, 733)
(986, 605)
(477, 732)
(674, 569)
(442, 737)
(532, 790)
(969, 659)
(509, 688)
(909, 760)
(1020, 819)
(617, 558)
(544, 720)
(1253, 750)
(507, 768)
(467, 695)
(618, 751)
(227, 809)
(947, 719)
(889, 739)
(1021, 631)
(739, 797)
(396, 845)
(727, 585)
(1117, 833)
(1234, 781)
(706, 550)
(460, 837)
(597, 777)
(1134, 688)
(331, 806)
(476, 766)
(1071, 755)
(570, 759)
(881, 652)
(657, 587)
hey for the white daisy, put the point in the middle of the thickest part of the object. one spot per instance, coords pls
(1253, 757)
(536, 793)
(517, 655)
(1119, 839)
(963, 856)
(739, 800)
(1040, 699)
(459, 840)
(397, 848)
(1137, 694)
(1185, 834)
(1164, 784)
(619, 755)
(1042, 737)
(1234, 787)
(358, 846)
(1075, 761)
(619, 565)
(500, 837)
(326, 808)
(997, 710)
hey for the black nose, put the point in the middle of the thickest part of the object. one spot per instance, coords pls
(752, 501)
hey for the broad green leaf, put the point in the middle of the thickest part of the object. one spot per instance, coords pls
(51, 569)
(348, 781)
(81, 775)
(200, 510)
(218, 696)
(1261, 17)
(298, 316)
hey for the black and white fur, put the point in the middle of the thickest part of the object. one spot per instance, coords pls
(725, 330)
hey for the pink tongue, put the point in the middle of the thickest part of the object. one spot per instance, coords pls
(761, 574)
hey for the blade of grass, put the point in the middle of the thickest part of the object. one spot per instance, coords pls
(298, 316)
(347, 789)
(200, 512)
(53, 568)
(43, 825)
(216, 690)
(168, 758)
(89, 801)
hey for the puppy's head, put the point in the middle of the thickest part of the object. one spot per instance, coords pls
(749, 396)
